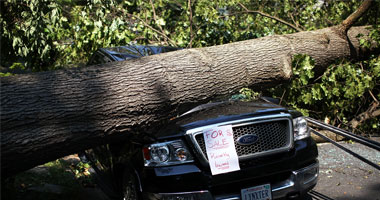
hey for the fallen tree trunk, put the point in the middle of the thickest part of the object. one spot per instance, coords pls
(51, 114)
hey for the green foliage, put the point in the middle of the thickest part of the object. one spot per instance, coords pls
(82, 174)
(46, 35)
(29, 29)
(246, 94)
(94, 25)
(17, 66)
(339, 94)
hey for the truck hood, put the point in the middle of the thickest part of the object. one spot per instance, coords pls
(213, 113)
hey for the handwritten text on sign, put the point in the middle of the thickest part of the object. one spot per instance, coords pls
(220, 147)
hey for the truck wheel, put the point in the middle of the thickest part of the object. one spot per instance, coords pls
(129, 185)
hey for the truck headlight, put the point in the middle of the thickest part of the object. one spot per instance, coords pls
(301, 130)
(166, 153)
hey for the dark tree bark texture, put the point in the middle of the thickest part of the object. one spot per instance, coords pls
(51, 114)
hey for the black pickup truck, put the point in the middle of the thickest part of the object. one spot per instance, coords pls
(277, 158)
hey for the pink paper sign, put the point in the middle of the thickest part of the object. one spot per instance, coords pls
(220, 147)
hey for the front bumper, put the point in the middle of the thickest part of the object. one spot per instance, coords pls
(299, 182)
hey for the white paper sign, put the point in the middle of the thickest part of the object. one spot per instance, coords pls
(221, 152)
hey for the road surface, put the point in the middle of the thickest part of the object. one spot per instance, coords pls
(344, 177)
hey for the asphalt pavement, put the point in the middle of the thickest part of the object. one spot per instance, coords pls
(344, 177)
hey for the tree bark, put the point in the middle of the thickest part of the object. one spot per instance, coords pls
(51, 114)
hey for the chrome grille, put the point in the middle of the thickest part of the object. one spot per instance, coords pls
(272, 135)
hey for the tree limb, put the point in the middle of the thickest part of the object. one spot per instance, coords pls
(155, 20)
(191, 25)
(295, 22)
(354, 17)
(271, 17)
(373, 96)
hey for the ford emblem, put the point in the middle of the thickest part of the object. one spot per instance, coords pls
(247, 139)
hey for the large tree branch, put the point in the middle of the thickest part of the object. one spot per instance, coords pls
(47, 115)
(271, 17)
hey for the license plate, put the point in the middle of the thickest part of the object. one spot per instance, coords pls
(261, 192)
